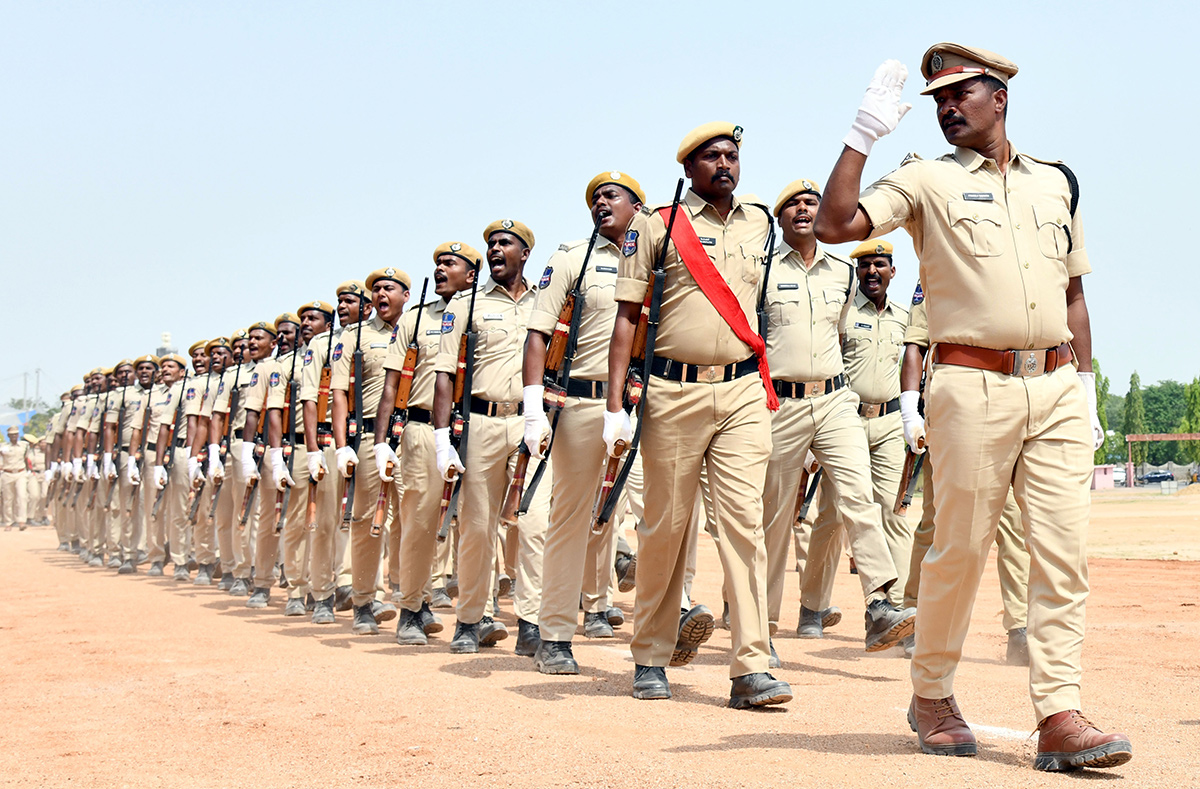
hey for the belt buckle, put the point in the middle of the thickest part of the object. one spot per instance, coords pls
(1028, 364)
(815, 389)
(711, 373)
(504, 409)
(870, 410)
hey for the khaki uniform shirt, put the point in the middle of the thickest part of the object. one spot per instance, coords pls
(91, 420)
(164, 405)
(996, 250)
(873, 348)
(377, 335)
(917, 332)
(12, 456)
(200, 389)
(806, 313)
(222, 402)
(315, 358)
(135, 403)
(161, 411)
(428, 343)
(502, 325)
(278, 387)
(599, 307)
(78, 407)
(38, 458)
(691, 329)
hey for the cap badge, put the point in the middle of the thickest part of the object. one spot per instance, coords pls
(389, 272)
(507, 224)
(615, 175)
(806, 184)
(879, 249)
(737, 133)
(935, 62)
(317, 304)
(456, 247)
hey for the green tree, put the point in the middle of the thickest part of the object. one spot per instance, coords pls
(1102, 412)
(1191, 421)
(1164, 405)
(1135, 417)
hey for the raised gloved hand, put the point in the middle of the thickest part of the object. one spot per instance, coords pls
(160, 477)
(216, 469)
(537, 426)
(345, 457)
(384, 454)
(316, 465)
(881, 109)
(193, 470)
(914, 423)
(132, 475)
(249, 470)
(447, 456)
(1089, 386)
(283, 480)
(617, 427)
(93, 471)
(110, 468)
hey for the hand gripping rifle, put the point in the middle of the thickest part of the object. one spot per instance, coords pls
(91, 502)
(560, 356)
(912, 465)
(638, 379)
(223, 446)
(170, 449)
(289, 444)
(354, 424)
(202, 458)
(113, 484)
(460, 419)
(310, 508)
(399, 416)
(260, 451)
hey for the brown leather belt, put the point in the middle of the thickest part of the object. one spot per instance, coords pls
(1023, 363)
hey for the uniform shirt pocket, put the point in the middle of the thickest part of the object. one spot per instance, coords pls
(833, 300)
(751, 262)
(786, 304)
(1052, 233)
(975, 227)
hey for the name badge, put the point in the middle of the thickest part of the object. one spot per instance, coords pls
(607, 269)
(493, 316)
(788, 286)
(708, 242)
(979, 197)
(379, 345)
(433, 331)
(866, 326)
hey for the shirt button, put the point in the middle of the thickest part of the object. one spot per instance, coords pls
(1033, 305)
(976, 216)
(1026, 265)
(1018, 225)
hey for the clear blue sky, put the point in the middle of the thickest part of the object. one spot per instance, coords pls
(195, 167)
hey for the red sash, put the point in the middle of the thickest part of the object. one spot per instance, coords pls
(717, 291)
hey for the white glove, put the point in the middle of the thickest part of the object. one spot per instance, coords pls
(77, 469)
(1089, 386)
(248, 469)
(384, 455)
(447, 456)
(160, 477)
(344, 456)
(617, 427)
(93, 471)
(810, 462)
(110, 469)
(49, 474)
(193, 470)
(881, 110)
(316, 465)
(131, 472)
(216, 469)
(283, 480)
(537, 426)
(914, 423)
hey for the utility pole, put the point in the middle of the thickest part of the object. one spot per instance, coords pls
(37, 384)
(25, 390)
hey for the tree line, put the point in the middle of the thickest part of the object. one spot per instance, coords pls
(1164, 407)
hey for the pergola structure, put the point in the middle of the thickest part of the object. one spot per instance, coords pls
(1129, 439)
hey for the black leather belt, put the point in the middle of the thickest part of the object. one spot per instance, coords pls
(799, 389)
(872, 410)
(420, 415)
(299, 442)
(325, 428)
(368, 425)
(592, 389)
(180, 443)
(489, 408)
(699, 373)
(151, 446)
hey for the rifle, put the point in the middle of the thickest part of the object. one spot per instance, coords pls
(170, 450)
(198, 487)
(460, 419)
(761, 309)
(99, 450)
(354, 424)
(808, 490)
(908, 479)
(399, 416)
(610, 478)
(112, 485)
(560, 355)
(289, 444)
(637, 380)
(259, 453)
(223, 447)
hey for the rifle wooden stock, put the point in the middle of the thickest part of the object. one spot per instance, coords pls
(447, 495)
(248, 503)
(381, 503)
(557, 348)
(908, 480)
(310, 508)
(461, 368)
(323, 395)
(606, 487)
(347, 492)
(216, 495)
(516, 487)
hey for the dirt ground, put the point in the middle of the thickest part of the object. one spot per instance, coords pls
(114, 681)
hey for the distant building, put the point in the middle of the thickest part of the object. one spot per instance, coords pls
(166, 347)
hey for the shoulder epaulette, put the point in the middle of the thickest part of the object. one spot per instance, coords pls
(567, 247)
(1072, 181)
(910, 158)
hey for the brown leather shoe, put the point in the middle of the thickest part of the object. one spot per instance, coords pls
(1068, 741)
(940, 727)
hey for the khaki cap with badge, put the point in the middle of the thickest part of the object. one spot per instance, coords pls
(353, 287)
(216, 342)
(319, 306)
(464, 251)
(239, 334)
(702, 134)
(174, 357)
(269, 328)
(196, 346)
(151, 358)
(872, 246)
(518, 229)
(393, 274)
(286, 317)
(946, 63)
(797, 187)
(614, 177)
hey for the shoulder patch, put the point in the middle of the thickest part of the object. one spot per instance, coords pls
(221, 386)
(911, 157)
(254, 379)
(918, 295)
(337, 352)
(274, 381)
(308, 357)
(447, 322)
(629, 246)
(545, 280)
(191, 394)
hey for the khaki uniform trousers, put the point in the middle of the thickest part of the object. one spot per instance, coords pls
(885, 442)
(599, 573)
(14, 491)
(831, 428)
(234, 538)
(490, 462)
(572, 552)
(97, 516)
(366, 552)
(1012, 557)
(394, 522)
(687, 425)
(122, 531)
(987, 430)
(329, 543)
(35, 496)
(172, 513)
(266, 541)
(204, 537)
(59, 514)
(420, 505)
(292, 545)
